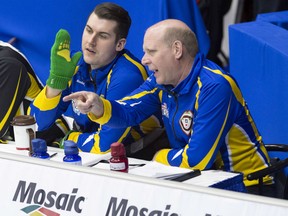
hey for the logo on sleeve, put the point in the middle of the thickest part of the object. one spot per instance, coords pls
(75, 108)
(186, 121)
(165, 111)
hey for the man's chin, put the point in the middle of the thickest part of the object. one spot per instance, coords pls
(89, 61)
(89, 57)
(159, 81)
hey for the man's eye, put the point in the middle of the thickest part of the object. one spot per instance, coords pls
(151, 52)
(103, 36)
(89, 30)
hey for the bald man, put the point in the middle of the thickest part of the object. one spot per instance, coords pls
(205, 116)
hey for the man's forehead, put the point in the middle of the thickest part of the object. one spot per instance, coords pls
(151, 41)
(154, 34)
(156, 29)
(101, 24)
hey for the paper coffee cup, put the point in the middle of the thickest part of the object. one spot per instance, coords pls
(24, 131)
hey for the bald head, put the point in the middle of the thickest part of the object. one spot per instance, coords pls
(169, 23)
(170, 30)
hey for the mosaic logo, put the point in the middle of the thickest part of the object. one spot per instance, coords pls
(123, 209)
(38, 210)
(42, 200)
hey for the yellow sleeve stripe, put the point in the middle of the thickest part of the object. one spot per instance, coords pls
(43, 103)
(198, 93)
(161, 156)
(74, 136)
(139, 95)
(109, 78)
(12, 104)
(107, 113)
(160, 96)
(95, 148)
(202, 164)
(124, 134)
(239, 98)
(184, 162)
(232, 83)
(138, 65)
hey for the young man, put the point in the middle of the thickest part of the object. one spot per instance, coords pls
(205, 116)
(105, 68)
(19, 85)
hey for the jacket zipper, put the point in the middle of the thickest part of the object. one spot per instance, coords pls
(174, 114)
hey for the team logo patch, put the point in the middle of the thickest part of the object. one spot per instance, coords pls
(165, 111)
(186, 122)
(75, 108)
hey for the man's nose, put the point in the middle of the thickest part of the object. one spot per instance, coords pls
(92, 40)
(145, 60)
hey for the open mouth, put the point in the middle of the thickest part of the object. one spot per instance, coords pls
(90, 50)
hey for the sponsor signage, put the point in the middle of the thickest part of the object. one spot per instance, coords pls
(122, 207)
(33, 187)
(29, 193)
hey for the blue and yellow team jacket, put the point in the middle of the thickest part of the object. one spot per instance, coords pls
(206, 119)
(112, 82)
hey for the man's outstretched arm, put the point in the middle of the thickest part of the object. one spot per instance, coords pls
(87, 102)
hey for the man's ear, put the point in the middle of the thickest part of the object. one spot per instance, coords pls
(177, 49)
(120, 44)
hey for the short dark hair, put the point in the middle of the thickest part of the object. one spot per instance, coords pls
(111, 11)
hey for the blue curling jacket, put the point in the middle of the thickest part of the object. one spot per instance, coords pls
(113, 81)
(206, 119)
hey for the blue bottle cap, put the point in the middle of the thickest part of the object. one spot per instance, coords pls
(70, 147)
(39, 145)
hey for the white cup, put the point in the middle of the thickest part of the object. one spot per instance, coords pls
(24, 131)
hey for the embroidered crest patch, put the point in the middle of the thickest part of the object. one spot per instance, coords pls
(186, 122)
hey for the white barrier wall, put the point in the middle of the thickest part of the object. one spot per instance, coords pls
(30, 185)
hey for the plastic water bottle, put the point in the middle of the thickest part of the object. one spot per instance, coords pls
(39, 148)
(71, 152)
(118, 161)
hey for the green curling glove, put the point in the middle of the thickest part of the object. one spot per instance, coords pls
(62, 67)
